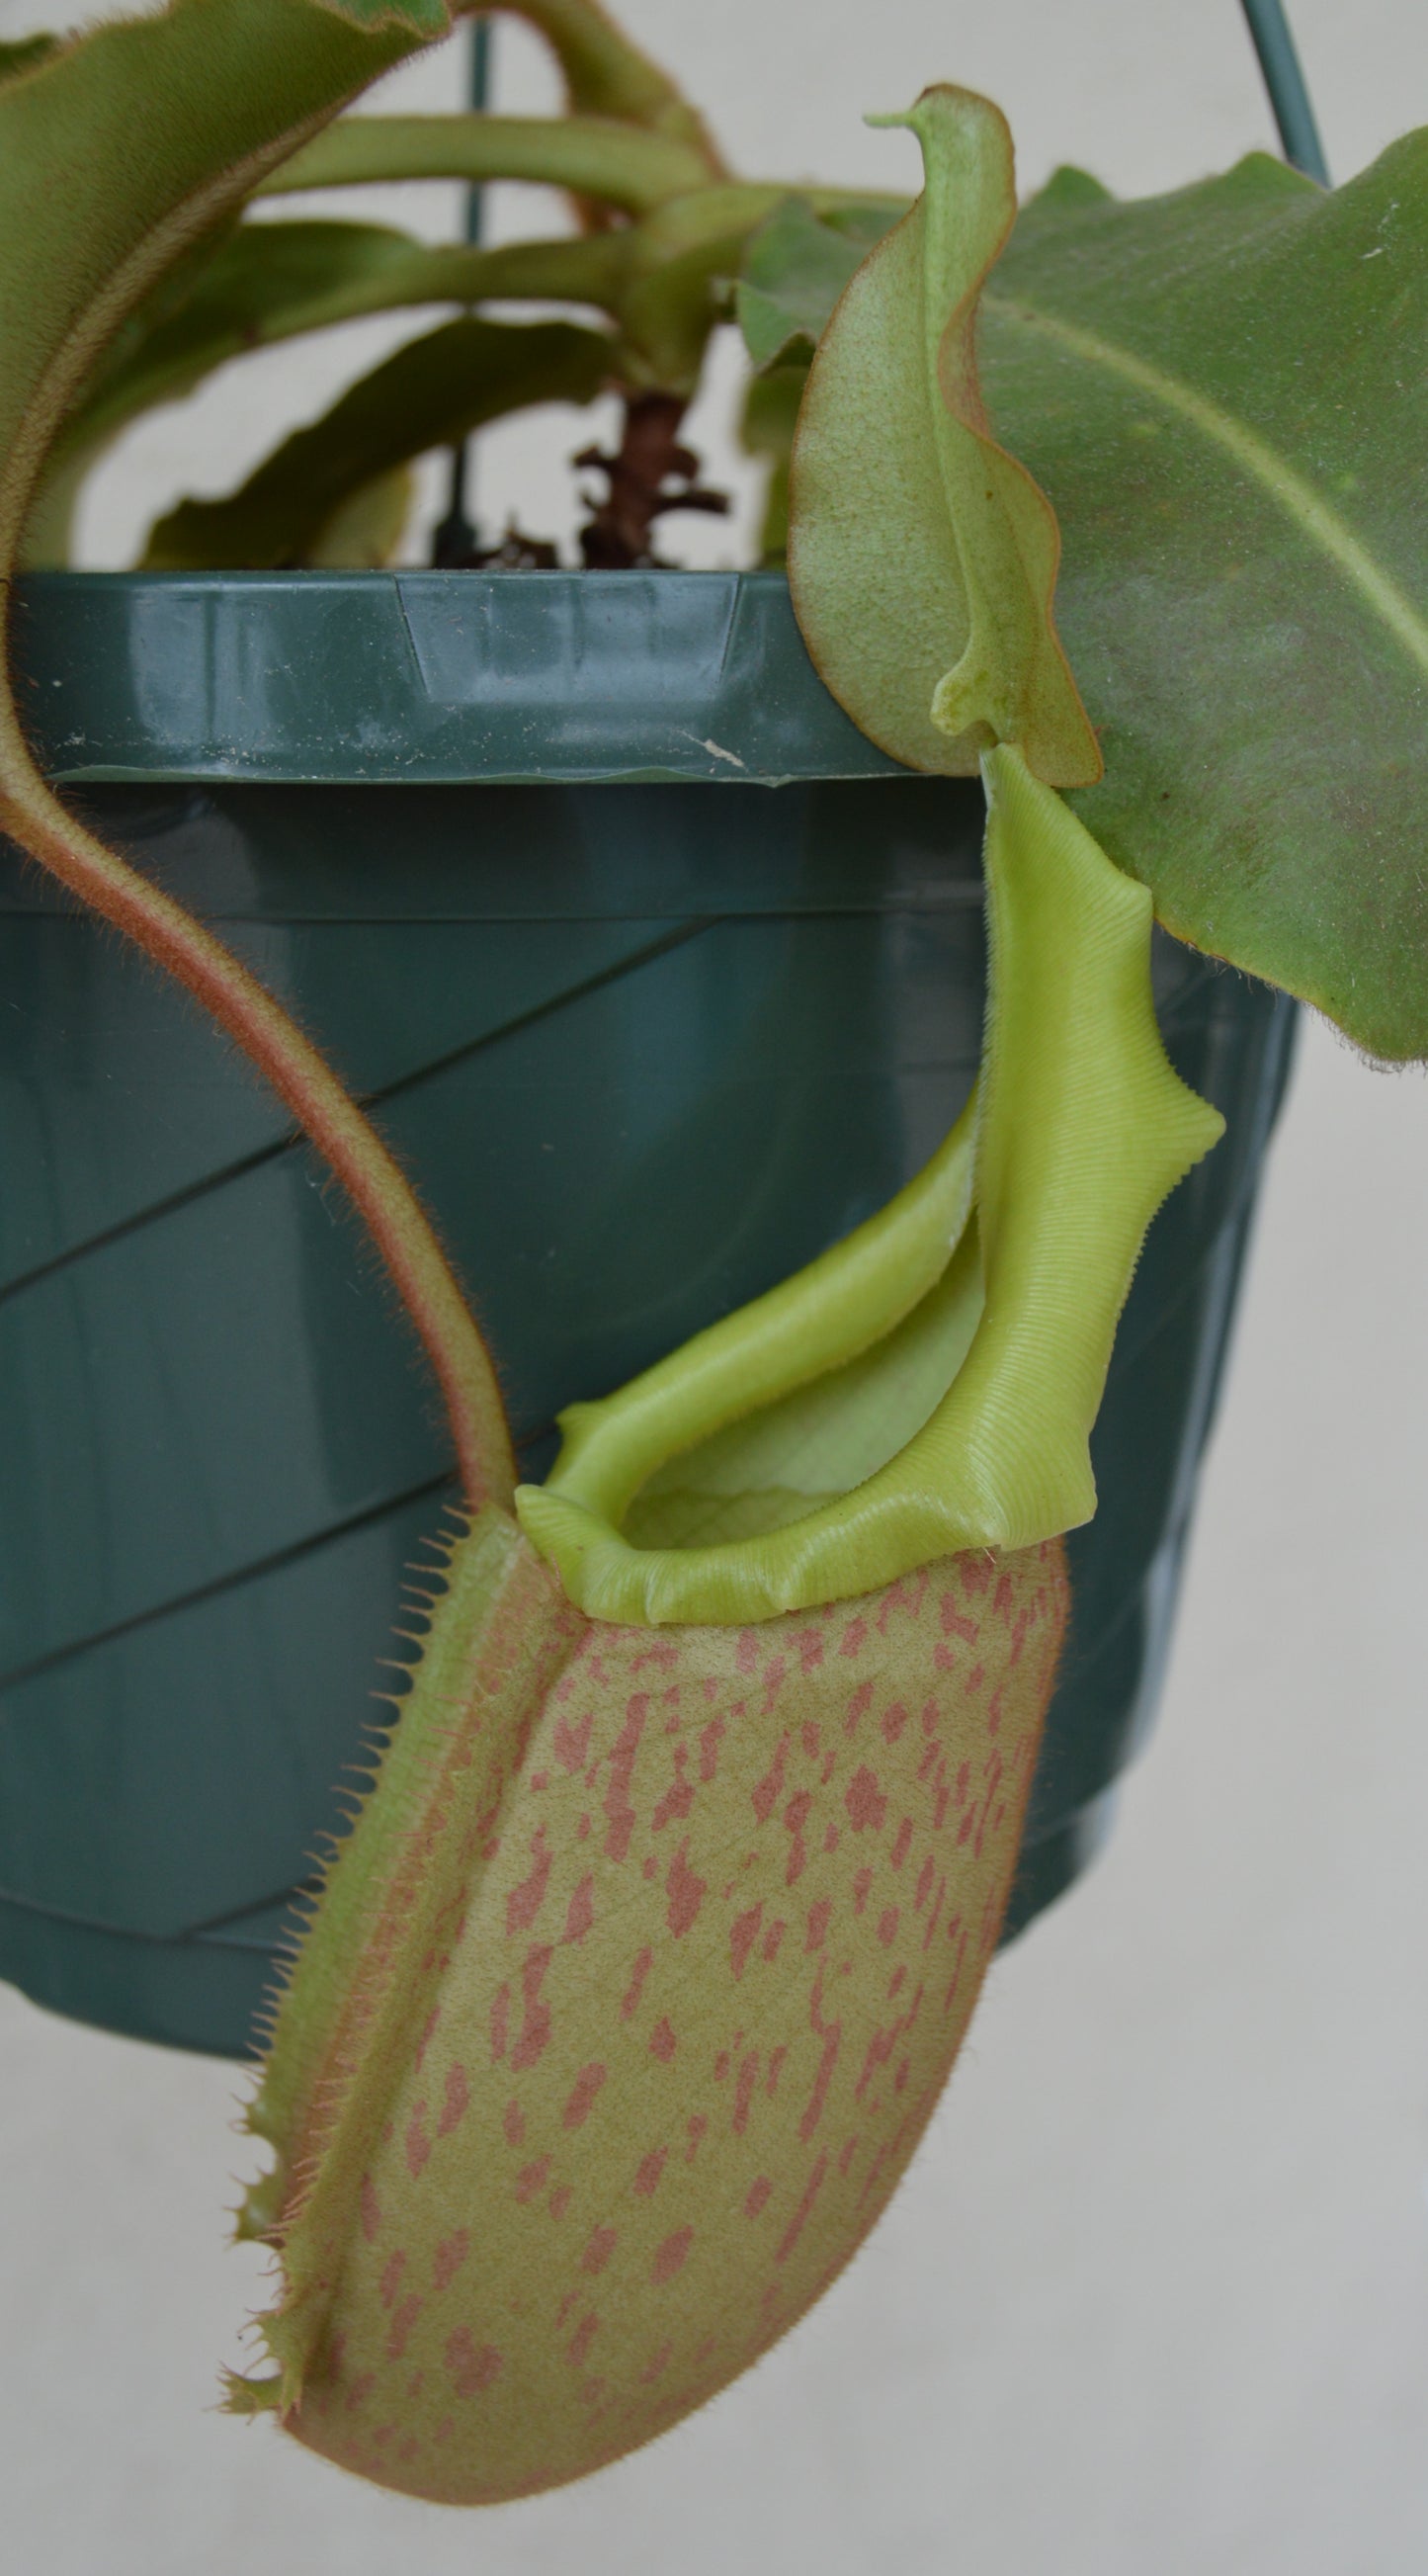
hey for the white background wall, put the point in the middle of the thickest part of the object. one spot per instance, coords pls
(1155, 2296)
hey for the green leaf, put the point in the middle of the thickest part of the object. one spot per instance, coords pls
(796, 267)
(1224, 393)
(591, 155)
(431, 393)
(266, 282)
(681, 258)
(1068, 191)
(684, 256)
(785, 305)
(922, 556)
(100, 195)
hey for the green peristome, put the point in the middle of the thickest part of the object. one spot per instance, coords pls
(1078, 1131)
(428, 394)
(922, 556)
(812, 1445)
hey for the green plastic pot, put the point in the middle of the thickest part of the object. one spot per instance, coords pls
(659, 977)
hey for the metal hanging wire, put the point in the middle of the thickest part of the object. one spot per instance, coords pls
(1284, 80)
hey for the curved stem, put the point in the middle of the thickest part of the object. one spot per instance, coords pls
(224, 134)
(592, 156)
(271, 1041)
(608, 76)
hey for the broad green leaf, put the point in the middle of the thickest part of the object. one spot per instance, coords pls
(796, 267)
(799, 260)
(265, 283)
(268, 282)
(1224, 393)
(100, 195)
(431, 393)
(922, 556)
(591, 155)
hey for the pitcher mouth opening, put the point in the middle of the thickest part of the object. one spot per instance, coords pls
(929, 1384)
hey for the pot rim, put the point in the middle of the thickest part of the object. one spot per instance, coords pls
(420, 678)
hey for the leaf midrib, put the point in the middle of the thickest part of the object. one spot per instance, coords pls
(1290, 491)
